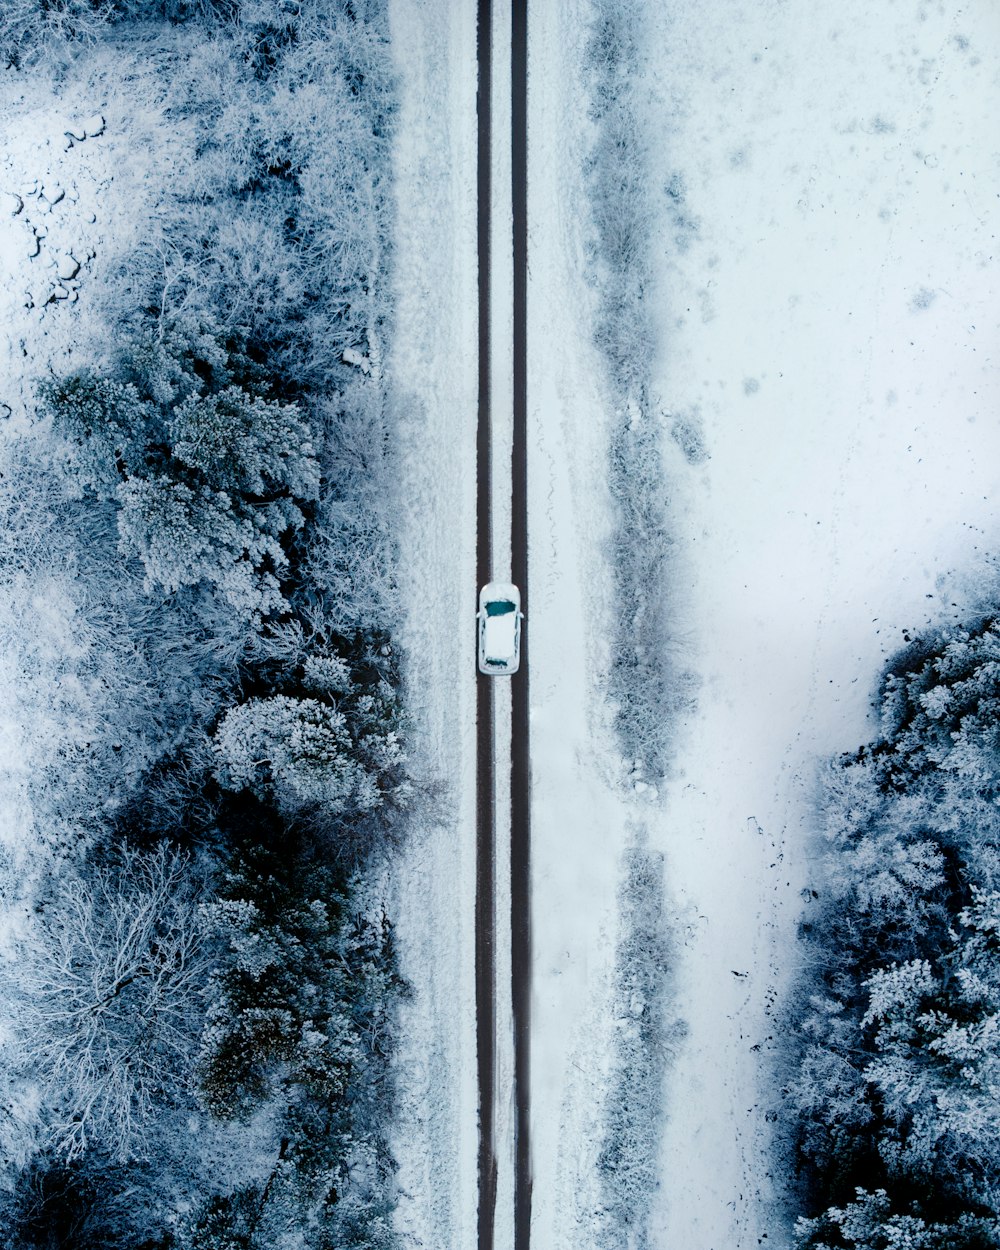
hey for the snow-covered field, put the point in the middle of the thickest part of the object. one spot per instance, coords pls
(824, 182)
(833, 324)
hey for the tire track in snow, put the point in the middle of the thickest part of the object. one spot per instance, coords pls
(485, 957)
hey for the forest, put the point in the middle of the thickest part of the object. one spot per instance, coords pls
(198, 595)
(893, 1083)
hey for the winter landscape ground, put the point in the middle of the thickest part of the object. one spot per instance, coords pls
(828, 429)
(237, 706)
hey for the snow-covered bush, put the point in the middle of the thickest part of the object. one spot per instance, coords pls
(621, 203)
(646, 1036)
(648, 682)
(352, 555)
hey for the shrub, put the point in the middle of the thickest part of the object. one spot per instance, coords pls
(648, 684)
(645, 1037)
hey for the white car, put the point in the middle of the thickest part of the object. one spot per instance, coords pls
(499, 618)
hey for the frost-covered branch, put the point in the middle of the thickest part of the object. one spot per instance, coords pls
(114, 982)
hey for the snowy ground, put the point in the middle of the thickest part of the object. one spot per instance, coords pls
(826, 273)
(832, 323)
(433, 375)
(580, 825)
(83, 162)
(57, 198)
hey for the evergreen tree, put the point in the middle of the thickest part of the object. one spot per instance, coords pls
(299, 750)
(245, 445)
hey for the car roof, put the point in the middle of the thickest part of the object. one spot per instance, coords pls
(499, 641)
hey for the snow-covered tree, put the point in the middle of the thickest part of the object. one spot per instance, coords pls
(185, 535)
(245, 445)
(869, 1223)
(113, 982)
(209, 481)
(298, 749)
(107, 424)
(899, 1061)
(300, 1022)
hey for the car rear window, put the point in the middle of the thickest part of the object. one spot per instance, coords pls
(499, 607)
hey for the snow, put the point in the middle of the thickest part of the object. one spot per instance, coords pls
(498, 641)
(580, 825)
(432, 375)
(827, 328)
(826, 281)
(351, 357)
(78, 190)
(830, 326)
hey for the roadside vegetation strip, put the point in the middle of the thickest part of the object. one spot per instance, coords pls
(646, 1035)
(891, 1087)
(226, 772)
(647, 684)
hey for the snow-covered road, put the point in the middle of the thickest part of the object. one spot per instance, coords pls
(433, 376)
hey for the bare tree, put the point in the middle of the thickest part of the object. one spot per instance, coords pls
(115, 989)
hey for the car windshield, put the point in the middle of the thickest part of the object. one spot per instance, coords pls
(499, 607)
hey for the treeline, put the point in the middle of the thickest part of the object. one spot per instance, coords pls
(897, 1070)
(203, 1002)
